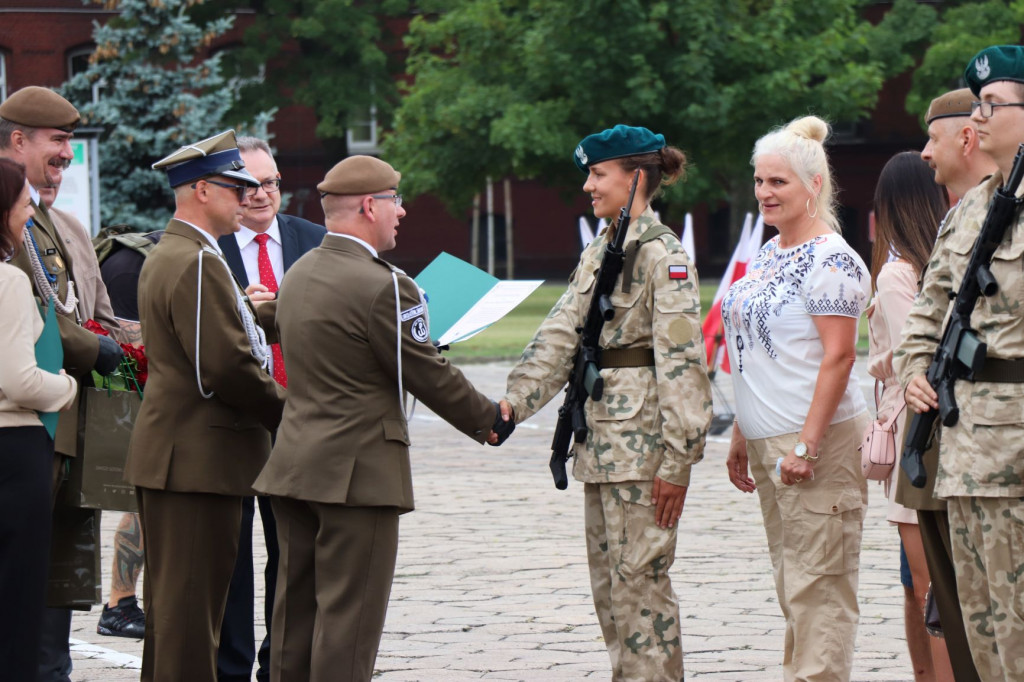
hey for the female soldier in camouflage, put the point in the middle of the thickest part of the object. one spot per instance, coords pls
(650, 425)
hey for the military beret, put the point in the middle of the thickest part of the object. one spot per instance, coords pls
(217, 155)
(359, 175)
(951, 105)
(38, 107)
(615, 143)
(996, 63)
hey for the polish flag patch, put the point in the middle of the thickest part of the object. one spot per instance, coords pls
(678, 272)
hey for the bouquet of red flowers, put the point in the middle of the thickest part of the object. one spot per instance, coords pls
(133, 371)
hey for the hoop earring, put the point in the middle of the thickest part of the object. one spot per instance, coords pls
(760, 208)
(807, 205)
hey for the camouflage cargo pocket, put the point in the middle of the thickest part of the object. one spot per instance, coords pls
(830, 530)
(993, 425)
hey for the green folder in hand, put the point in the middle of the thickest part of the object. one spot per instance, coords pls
(49, 357)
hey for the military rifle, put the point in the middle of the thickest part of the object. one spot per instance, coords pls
(585, 378)
(961, 353)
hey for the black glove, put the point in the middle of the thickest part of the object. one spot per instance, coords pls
(501, 427)
(109, 356)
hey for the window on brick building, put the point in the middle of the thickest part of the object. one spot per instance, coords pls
(3, 76)
(78, 62)
(362, 131)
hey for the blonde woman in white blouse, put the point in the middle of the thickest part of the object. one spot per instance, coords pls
(791, 330)
(26, 449)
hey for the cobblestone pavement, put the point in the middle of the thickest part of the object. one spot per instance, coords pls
(492, 581)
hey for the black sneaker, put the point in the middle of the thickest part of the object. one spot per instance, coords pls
(124, 620)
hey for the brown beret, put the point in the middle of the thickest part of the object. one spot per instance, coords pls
(359, 175)
(40, 108)
(951, 105)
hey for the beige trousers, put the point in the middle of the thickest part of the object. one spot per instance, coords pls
(987, 534)
(629, 559)
(814, 533)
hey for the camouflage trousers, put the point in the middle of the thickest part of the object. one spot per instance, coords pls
(987, 534)
(814, 532)
(629, 559)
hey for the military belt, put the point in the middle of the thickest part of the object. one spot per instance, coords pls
(1001, 371)
(627, 357)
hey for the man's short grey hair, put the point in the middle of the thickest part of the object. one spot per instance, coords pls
(248, 143)
(7, 129)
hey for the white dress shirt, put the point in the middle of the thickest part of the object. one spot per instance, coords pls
(250, 250)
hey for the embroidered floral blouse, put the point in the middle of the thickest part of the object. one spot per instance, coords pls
(773, 345)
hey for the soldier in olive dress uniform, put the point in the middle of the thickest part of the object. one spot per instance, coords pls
(981, 457)
(203, 431)
(36, 127)
(355, 338)
(650, 426)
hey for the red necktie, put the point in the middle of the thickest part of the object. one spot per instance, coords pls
(268, 280)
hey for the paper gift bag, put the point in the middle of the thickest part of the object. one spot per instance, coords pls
(75, 576)
(96, 479)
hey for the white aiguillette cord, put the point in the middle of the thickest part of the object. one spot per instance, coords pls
(398, 352)
(257, 338)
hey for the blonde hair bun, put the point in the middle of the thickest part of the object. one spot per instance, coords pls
(811, 127)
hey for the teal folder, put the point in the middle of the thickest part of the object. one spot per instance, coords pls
(464, 300)
(49, 357)
(453, 286)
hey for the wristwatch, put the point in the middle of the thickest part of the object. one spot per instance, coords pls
(800, 450)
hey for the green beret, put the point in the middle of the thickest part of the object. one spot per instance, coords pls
(996, 63)
(359, 175)
(615, 143)
(38, 107)
(951, 105)
(217, 155)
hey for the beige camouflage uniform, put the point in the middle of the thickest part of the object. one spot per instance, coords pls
(981, 458)
(652, 421)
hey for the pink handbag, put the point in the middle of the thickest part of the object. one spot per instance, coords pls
(878, 447)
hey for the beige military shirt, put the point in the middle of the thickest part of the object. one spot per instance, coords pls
(651, 421)
(983, 454)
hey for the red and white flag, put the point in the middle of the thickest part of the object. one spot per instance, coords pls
(687, 239)
(744, 253)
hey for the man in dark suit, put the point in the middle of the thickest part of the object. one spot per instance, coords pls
(355, 337)
(259, 254)
(203, 431)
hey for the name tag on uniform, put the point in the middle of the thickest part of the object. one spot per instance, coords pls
(678, 272)
(412, 312)
(50, 252)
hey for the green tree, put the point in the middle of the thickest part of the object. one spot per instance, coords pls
(964, 29)
(150, 90)
(338, 57)
(508, 87)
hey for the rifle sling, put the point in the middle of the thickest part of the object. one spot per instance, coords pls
(999, 371)
(627, 357)
(633, 248)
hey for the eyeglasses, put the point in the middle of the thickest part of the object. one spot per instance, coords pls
(244, 191)
(271, 186)
(396, 197)
(988, 108)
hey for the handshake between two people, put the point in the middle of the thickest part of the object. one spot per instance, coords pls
(504, 424)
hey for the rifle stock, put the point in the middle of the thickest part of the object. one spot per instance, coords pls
(585, 377)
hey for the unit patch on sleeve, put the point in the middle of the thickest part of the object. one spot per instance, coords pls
(678, 272)
(419, 330)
